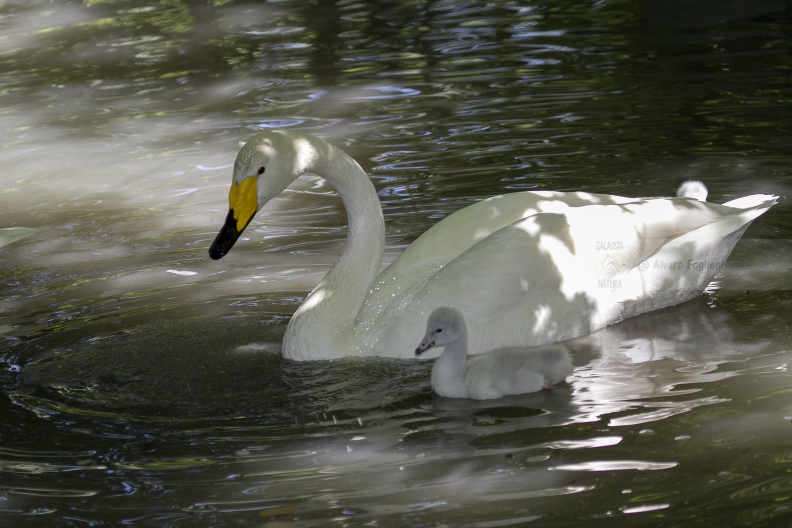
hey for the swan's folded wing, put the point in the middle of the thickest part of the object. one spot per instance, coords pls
(551, 276)
(468, 226)
(687, 263)
(508, 286)
(457, 233)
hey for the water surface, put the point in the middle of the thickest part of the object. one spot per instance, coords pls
(131, 393)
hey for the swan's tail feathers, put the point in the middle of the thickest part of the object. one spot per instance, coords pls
(693, 189)
(761, 202)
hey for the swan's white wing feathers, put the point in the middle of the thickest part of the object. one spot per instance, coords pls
(555, 275)
(455, 234)
(686, 264)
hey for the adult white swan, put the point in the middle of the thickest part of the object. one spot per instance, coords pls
(525, 269)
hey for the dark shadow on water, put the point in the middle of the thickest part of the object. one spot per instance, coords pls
(192, 370)
(200, 424)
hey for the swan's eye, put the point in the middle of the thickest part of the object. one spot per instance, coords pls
(260, 170)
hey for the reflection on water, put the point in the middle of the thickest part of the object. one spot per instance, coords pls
(130, 392)
(257, 437)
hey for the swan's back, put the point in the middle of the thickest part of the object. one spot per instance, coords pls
(464, 228)
(396, 286)
(556, 275)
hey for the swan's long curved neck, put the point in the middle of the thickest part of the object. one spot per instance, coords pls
(326, 317)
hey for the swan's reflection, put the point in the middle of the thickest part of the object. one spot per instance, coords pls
(370, 430)
(639, 371)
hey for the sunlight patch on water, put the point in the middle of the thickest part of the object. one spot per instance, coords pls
(616, 465)
(49, 492)
(667, 410)
(646, 508)
(589, 443)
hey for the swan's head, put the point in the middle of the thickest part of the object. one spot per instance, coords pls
(264, 167)
(445, 325)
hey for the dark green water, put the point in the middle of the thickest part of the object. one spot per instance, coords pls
(128, 392)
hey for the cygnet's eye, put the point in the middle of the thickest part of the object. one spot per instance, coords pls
(438, 330)
(260, 170)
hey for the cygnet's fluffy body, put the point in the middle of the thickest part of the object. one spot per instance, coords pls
(492, 375)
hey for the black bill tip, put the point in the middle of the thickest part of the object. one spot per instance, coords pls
(423, 348)
(226, 238)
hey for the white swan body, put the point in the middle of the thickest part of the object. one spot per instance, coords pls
(492, 375)
(525, 269)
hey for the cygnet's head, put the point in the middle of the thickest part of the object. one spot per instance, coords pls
(445, 325)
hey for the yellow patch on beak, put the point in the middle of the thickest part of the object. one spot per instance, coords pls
(243, 200)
